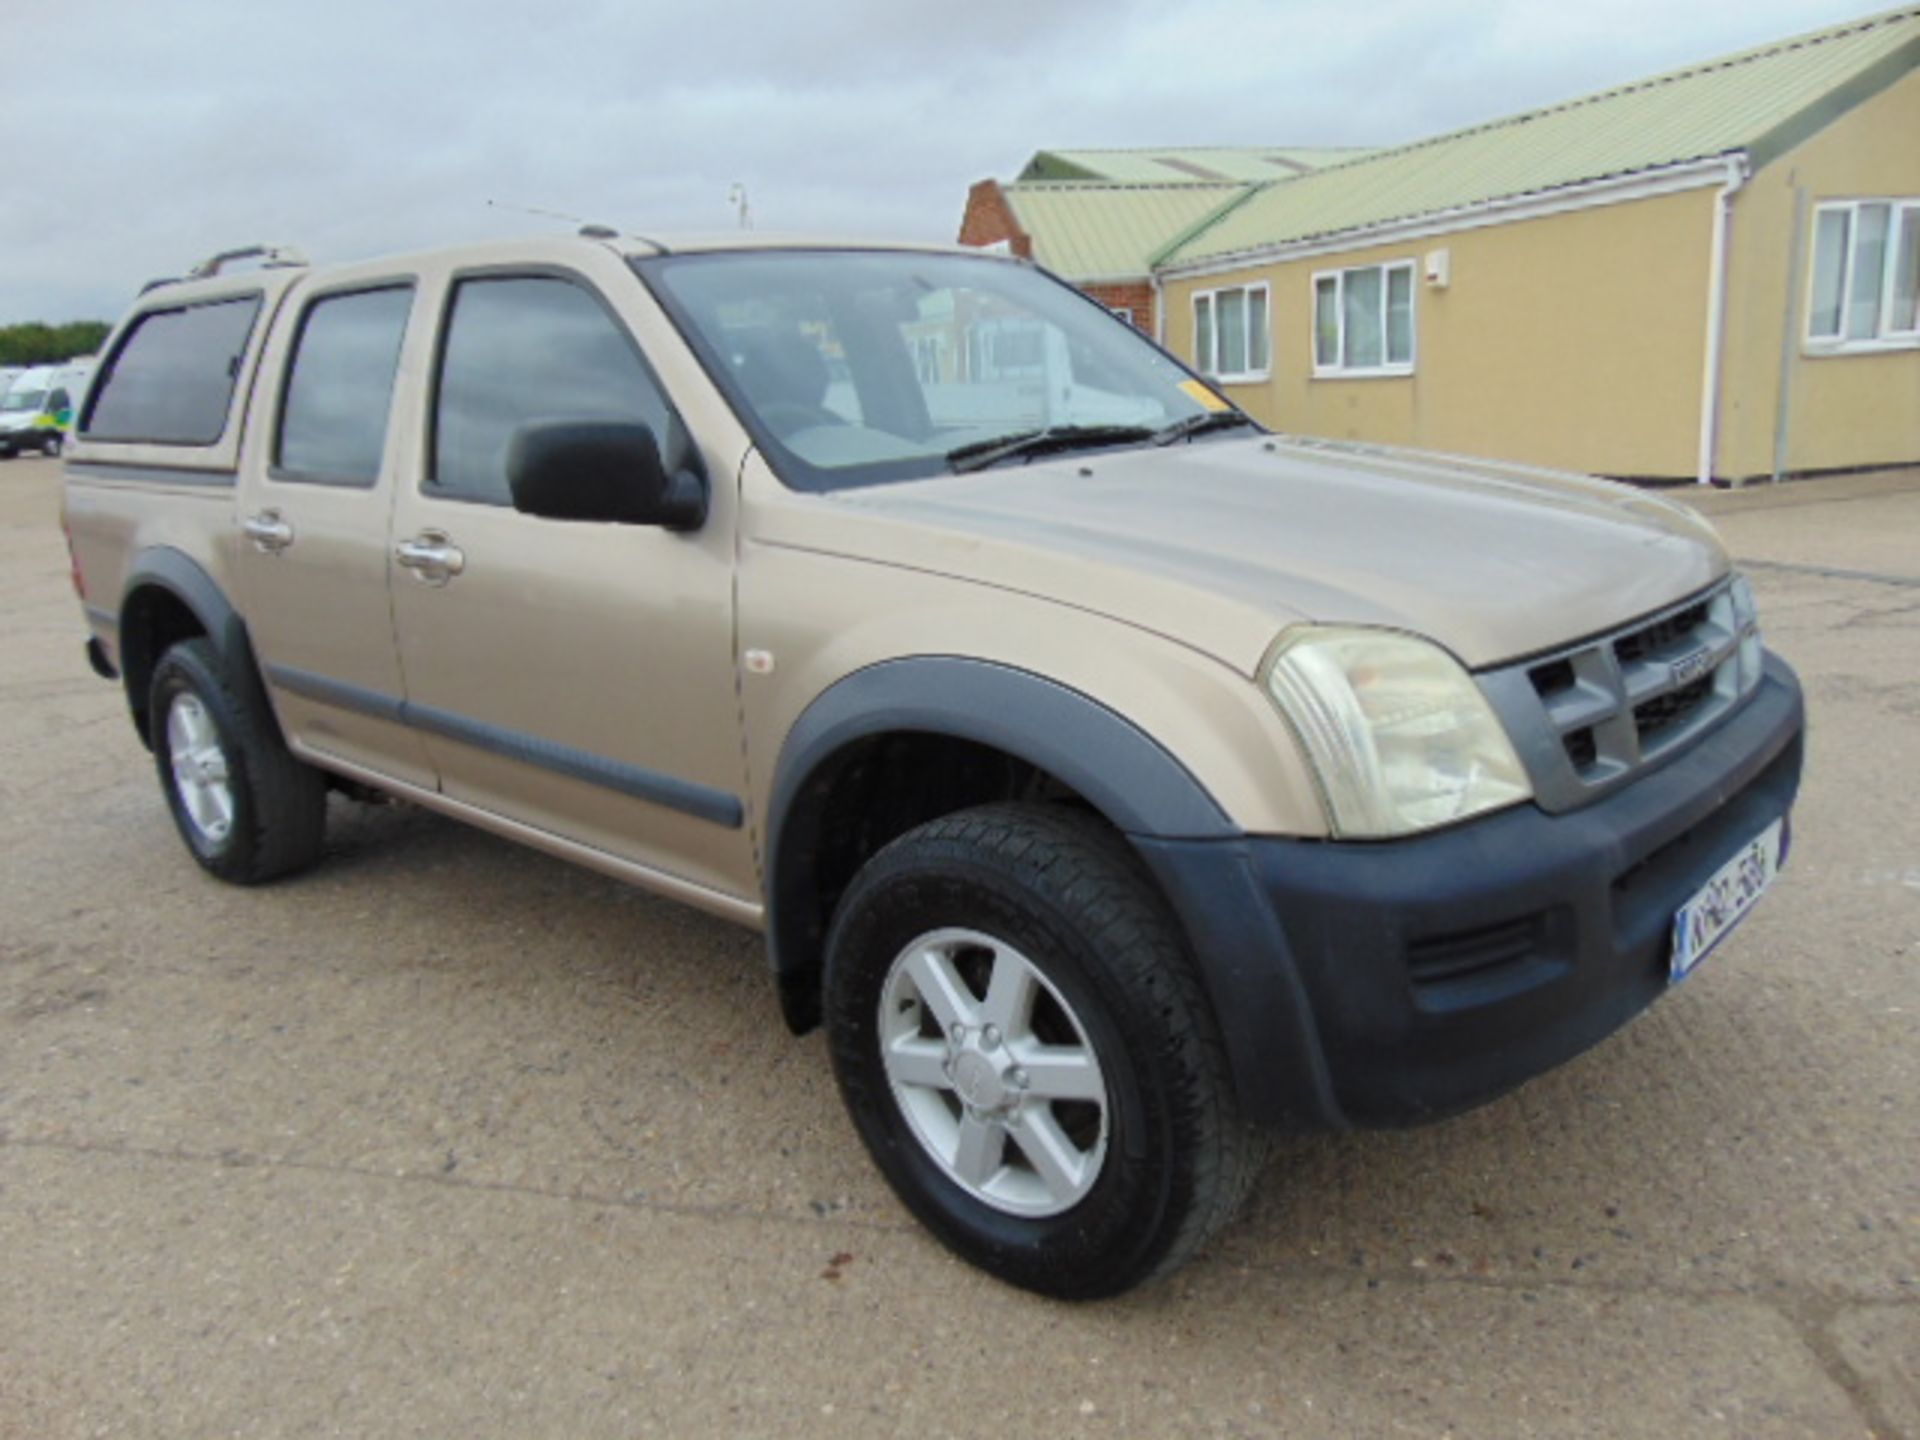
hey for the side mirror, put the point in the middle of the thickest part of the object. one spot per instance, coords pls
(602, 470)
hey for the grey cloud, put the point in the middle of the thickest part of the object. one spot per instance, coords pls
(363, 126)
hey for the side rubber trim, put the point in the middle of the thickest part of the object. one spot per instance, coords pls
(100, 470)
(338, 693)
(703, 802)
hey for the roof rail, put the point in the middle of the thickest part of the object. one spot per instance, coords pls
(269, 256)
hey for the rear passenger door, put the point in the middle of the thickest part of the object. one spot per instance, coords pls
(315, 509)
(576, 678)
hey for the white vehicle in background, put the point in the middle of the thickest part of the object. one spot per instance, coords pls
(38, 409)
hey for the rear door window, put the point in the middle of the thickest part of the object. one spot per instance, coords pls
(333, 420)
(170, 381)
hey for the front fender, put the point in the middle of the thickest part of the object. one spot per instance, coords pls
(1121, 770)
(1134, 781)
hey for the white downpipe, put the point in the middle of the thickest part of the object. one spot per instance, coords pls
(1717, 315)
(1159, 320)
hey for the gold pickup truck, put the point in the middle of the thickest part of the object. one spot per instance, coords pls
(1119, 783)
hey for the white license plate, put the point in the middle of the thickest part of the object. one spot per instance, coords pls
(1718, 905)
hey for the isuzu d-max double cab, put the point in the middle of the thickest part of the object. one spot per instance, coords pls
(1117, 782)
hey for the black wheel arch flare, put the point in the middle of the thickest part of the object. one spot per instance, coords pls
(1134, 781)
(162, 571)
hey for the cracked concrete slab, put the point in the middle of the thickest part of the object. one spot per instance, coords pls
(208, 1298)
(1881, 1345)
(1864, 523)
(447, 1137)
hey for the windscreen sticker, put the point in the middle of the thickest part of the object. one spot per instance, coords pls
(1198, 392)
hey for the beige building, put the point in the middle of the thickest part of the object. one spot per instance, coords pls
(1098, 217)
(1706, 274)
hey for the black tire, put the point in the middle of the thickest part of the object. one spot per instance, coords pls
(1068, 894)
(278, 804)
(51, 447)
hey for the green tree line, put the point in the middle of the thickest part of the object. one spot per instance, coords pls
(38, 344)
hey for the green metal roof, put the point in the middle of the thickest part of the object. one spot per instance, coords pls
(1089, 230)
(1174, 164)
(1761, 101)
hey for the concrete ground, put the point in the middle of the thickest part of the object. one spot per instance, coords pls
(447, 1138)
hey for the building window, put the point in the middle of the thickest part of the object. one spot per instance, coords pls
(929, 359)
(1230, 329)
(1363, 320)
(1866, 275)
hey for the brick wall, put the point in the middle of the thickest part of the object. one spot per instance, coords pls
(1135, 297)
(990, 219)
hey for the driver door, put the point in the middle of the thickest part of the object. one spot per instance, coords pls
(572, 677)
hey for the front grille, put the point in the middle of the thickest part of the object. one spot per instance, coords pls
(1662, 633)
(1582, 747)
(1665, 711)
(1553, 677)
(1592, 715)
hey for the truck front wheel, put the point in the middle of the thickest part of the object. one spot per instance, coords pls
(247, 809)
(1020, 1039)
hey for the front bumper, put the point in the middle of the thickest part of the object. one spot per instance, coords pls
(1372, 984)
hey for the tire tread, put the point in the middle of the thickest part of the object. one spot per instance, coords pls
(283, 801)
(1079, 864)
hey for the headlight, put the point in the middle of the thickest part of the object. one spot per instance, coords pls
(1399, 734)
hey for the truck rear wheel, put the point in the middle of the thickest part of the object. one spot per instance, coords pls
(246, 808)
(1020, 1039)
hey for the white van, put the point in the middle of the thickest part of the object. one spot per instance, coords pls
(37, 411)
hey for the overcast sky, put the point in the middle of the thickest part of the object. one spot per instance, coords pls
(145, 134)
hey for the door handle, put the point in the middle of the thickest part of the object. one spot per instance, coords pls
(268, 532)
(431, 556)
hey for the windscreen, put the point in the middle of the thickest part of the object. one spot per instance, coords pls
(854, 367)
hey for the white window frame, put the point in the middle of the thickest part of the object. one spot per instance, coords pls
(1207, 365)
(1386, 369)
(1902, 210)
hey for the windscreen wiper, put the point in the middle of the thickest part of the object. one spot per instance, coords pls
(1200, 424)
(980, 454)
